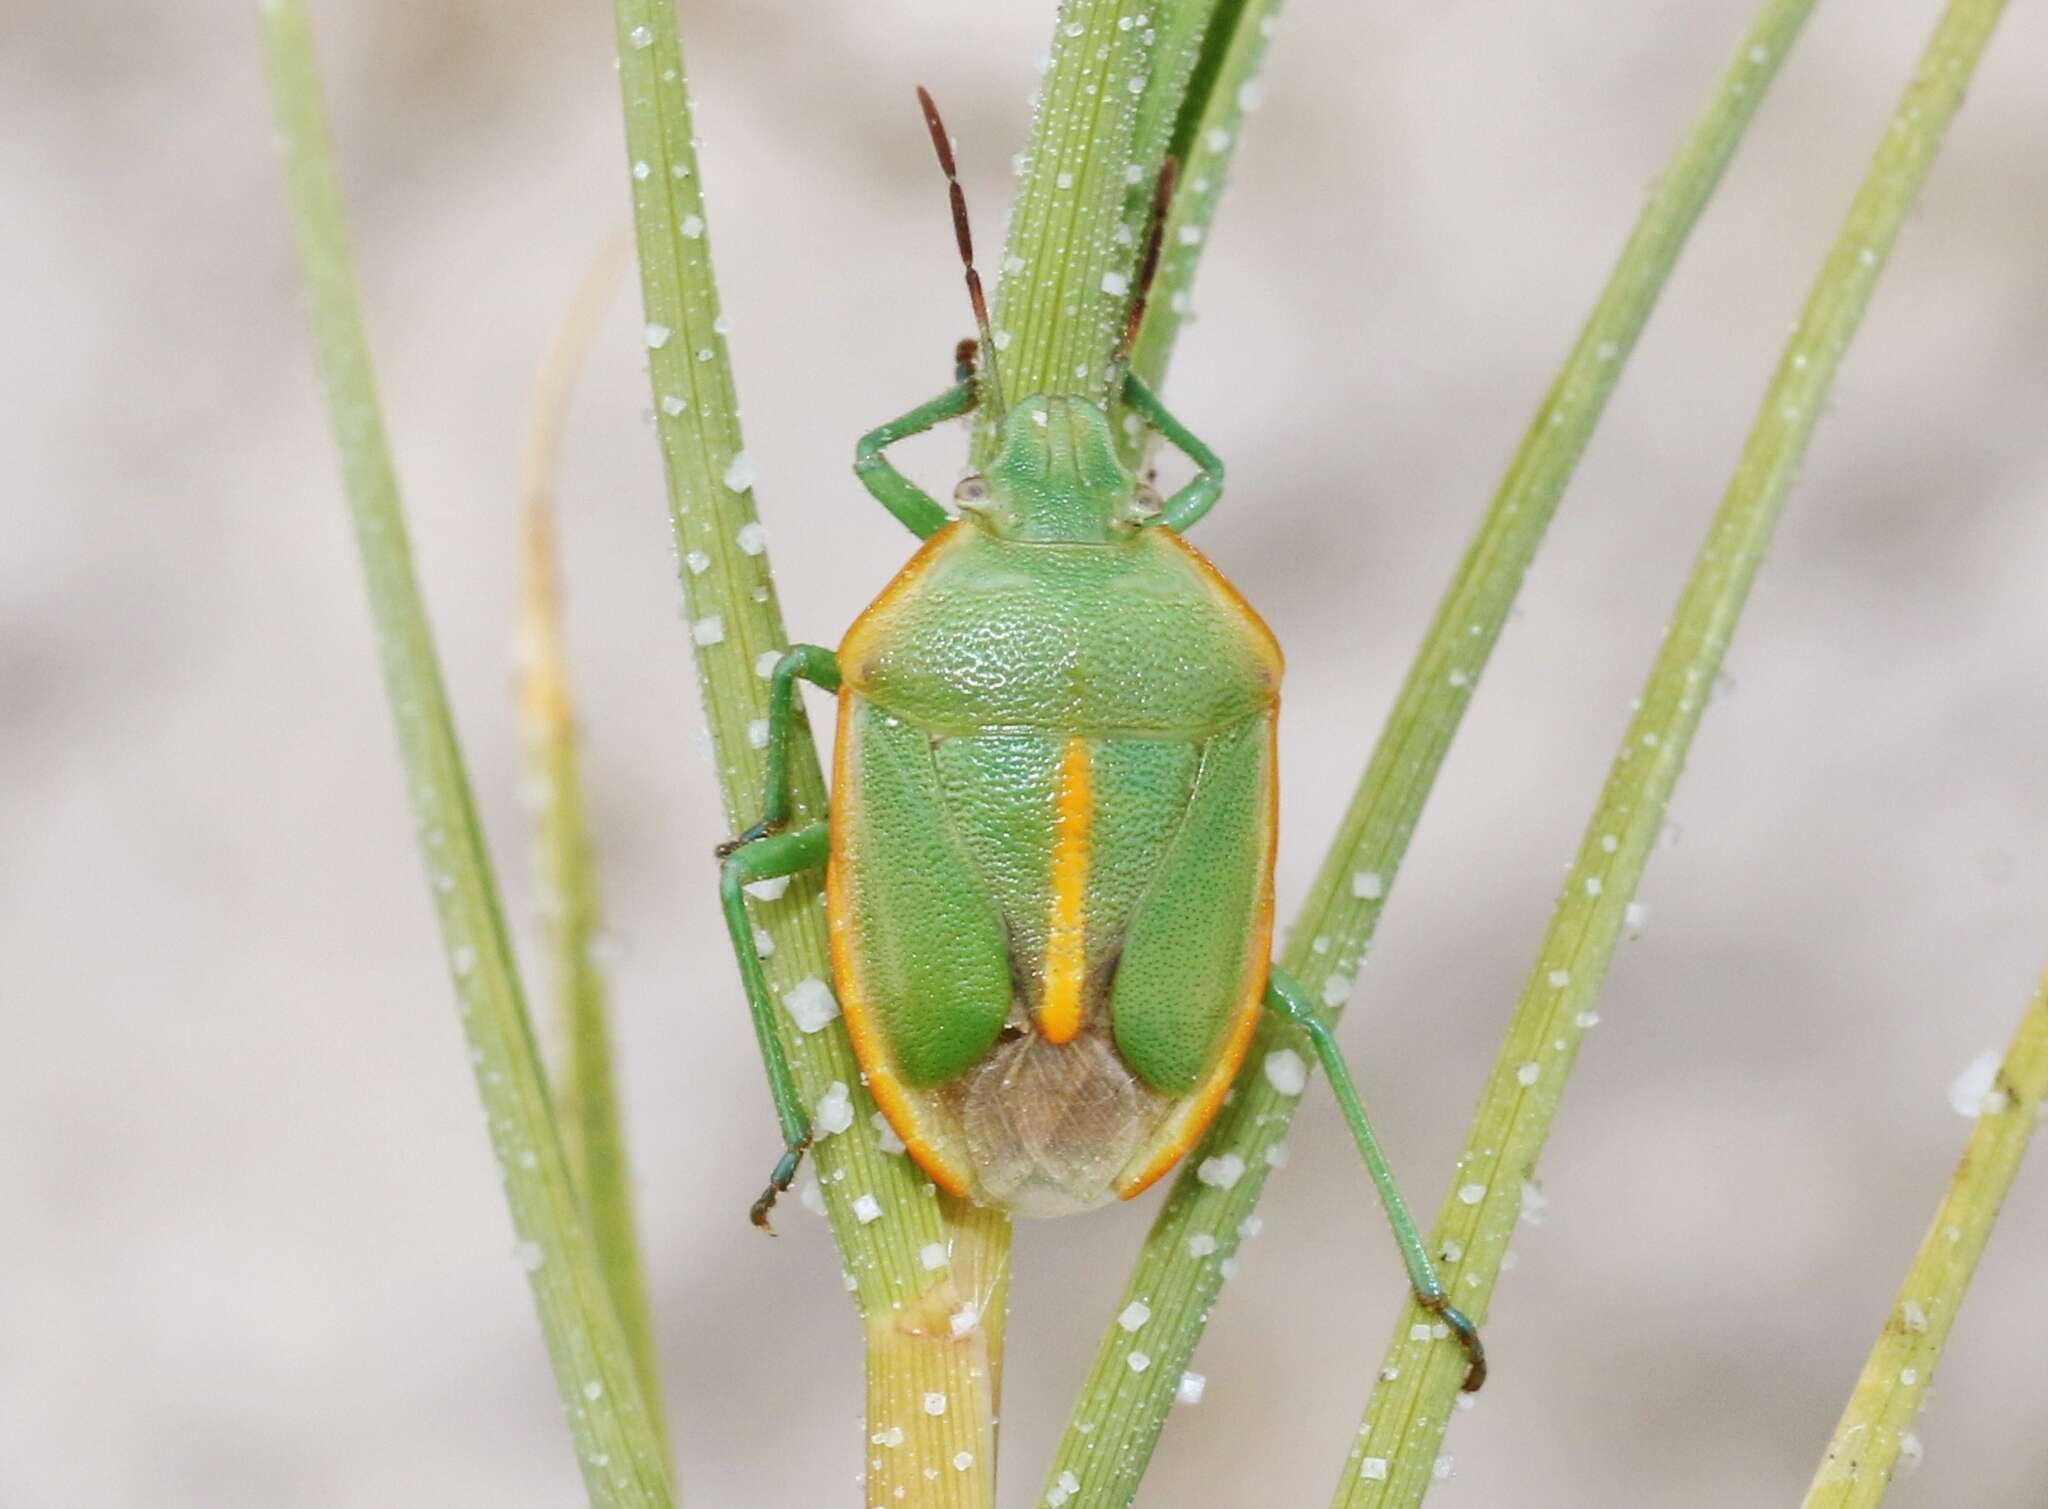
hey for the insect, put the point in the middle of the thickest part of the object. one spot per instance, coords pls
(1049, 851)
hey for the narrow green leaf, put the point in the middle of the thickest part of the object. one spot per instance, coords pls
(737, 631)
(1116, 1422)
(1391, 1460)
(586, 1096)
(1865, 1448)
(617, 1440)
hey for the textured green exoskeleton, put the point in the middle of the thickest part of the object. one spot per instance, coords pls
(1050, 845)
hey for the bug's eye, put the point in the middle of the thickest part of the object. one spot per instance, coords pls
(971, 492)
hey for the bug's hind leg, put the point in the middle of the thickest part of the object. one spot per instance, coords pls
(808, 662)
(1285, 995)
(766, 859)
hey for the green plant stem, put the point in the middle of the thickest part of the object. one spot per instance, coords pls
(1116, 1422)
(1858, 1466)
(1391, 1461)
(1222, 91)
(737, 631)
(618, 1441)
(586, 1095)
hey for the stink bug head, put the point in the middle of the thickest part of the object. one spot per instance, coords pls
(1056, 478)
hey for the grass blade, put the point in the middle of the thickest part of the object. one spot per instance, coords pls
(1116, 1422)
(618, 1441)
(1864, 1450)
(737, 630)
(1390, 1465)
(586, 1097)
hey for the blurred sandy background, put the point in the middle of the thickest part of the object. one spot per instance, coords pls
(253, 1252)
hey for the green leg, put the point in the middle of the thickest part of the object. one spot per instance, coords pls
(1285, 995)
(808, 662)
(919, 512)
(782, 854)
(1188, 505)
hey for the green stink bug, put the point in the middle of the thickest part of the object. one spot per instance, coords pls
(1049, 852)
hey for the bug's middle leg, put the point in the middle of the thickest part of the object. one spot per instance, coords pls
(766, 859)
(1286, 996)
(809, 662)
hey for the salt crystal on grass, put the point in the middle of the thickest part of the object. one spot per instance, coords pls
(710, 629)
(1276, 1155)
(963, 1321)
(1189, 1390)
(1912, 1316)
(932, 1256)
(698, 562)
(1440, 1469)
(1528, 1074)
(1286, 1072)
(1535, 1203)
(740, 474)
(1911, 1453)
(1419, 1331)
(1138, 1362)
(767, 890)
(935, 1404)
(752, 538)
(811, 1197)
(1115, 284)
(810, 1003)
(1559, 978)
(834, 1112)
(1471, 1194)
(1367, 885)
(1336, 991)
(1373, 1469)
(657, 335)
(757, 733)
(1635, 915)
(692, 227)
(764, 664)
(868, 1209)
(1973, 1092)
(593, 1391)
(1134, 1315)
(1222, 1172)
(962, 1460)
(1201, 1245)
(885, 1135)
(528, 1255)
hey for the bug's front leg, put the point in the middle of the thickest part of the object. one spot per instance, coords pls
(808, 662)
(766, 859)
(1286, 996)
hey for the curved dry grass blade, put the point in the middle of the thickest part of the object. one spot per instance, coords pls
(1866, 1445)
(618, 1441)
(586, 1096)
(1116, 1422)
(1390, 1464)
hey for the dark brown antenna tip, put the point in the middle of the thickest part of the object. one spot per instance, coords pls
(943, 146)
(1148, 264)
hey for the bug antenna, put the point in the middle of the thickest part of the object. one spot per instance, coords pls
(943, 146)
(1148, 265)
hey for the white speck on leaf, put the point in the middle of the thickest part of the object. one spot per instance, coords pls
(810, 1003)
(1974, 1092)
(771, 889)
(657, 335)
(1190, 1388)
(710, 629)
(1134, 1316)
(869, 1210)
(692, 227)
(1221, 1172)
(1368, 885)
(741, 475)
(1285, 1071)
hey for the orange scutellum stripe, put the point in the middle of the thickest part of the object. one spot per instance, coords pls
(1066, 928)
